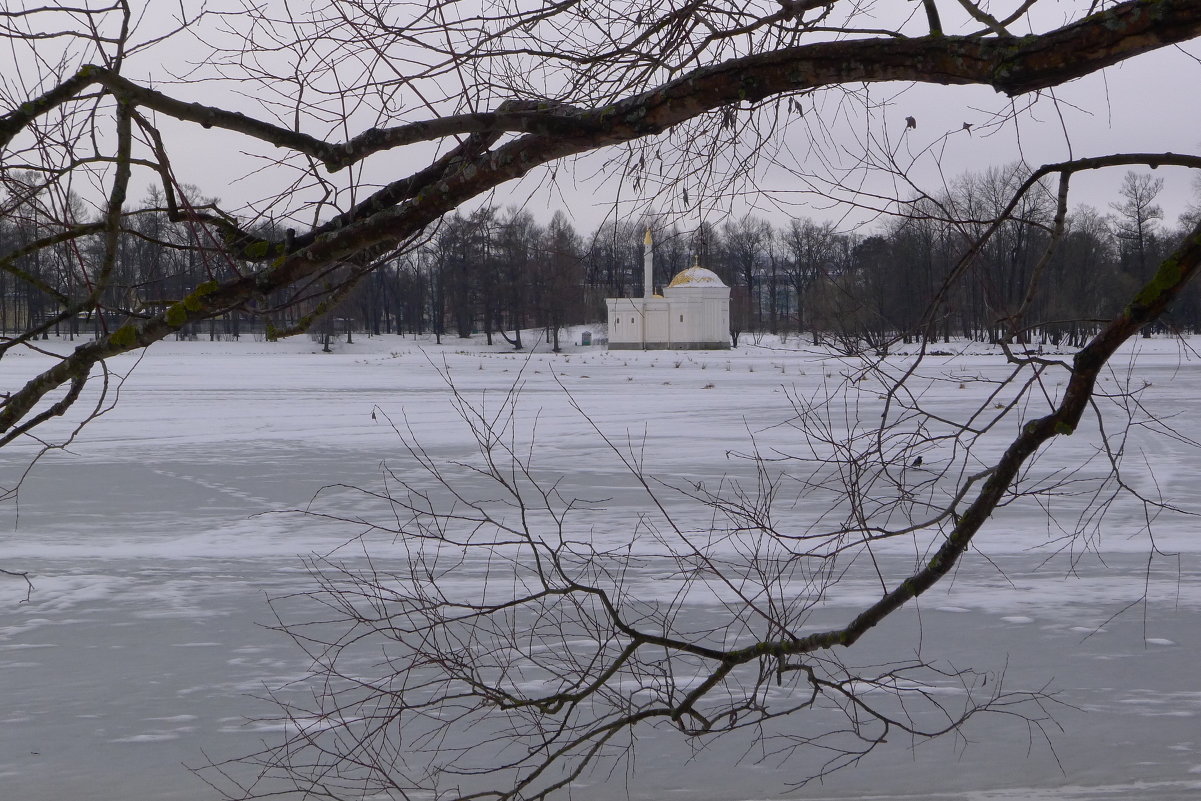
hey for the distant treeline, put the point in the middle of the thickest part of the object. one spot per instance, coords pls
(497, 271)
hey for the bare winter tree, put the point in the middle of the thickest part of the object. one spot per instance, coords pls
(1135, 221)
(371, 121)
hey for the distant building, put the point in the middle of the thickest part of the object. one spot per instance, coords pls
(693, 313)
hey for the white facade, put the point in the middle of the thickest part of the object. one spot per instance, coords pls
(693, 313)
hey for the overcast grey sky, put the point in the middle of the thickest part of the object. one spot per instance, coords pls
(1146, 104)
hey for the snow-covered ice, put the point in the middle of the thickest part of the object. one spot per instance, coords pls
(155, 538)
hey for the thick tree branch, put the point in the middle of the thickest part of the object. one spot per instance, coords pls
(1156, 295)
(932, 17)
(1014, 65)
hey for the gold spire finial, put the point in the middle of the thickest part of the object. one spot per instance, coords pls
(646, 240)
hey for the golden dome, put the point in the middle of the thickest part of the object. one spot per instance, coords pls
(696, 276)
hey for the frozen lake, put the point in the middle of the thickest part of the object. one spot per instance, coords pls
(154, 541)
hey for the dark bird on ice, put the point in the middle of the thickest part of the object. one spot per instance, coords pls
(917, 462)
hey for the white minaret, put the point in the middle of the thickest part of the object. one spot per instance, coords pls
(648, 270)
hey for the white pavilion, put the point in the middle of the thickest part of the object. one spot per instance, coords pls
(693, 313)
